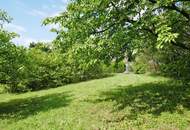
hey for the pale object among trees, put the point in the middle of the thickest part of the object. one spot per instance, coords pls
(126, 65)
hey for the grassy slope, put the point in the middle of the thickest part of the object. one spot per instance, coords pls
(118, 102)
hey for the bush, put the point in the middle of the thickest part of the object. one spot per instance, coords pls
(140, 65)
(42, 70)
(139, 68)
(41, 67)
(175, 63)
(146, 61)
(114, 67)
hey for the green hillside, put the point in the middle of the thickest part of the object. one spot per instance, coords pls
(119, 102)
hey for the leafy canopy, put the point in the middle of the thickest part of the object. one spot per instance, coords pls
(114, 26)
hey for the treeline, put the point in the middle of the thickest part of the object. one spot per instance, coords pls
(44, 65)
(41, 66)
(94, 37)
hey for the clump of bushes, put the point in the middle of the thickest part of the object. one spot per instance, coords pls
(114, 67)
(41, 67)
(169, 61)
(175, 63)
(140, 65)
(145, 62)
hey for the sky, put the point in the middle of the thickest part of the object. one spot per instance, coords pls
(28, 16)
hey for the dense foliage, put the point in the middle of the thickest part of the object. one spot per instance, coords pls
(118, 26)
(94, 37)
(42, 65)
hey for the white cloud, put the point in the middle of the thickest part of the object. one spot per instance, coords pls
(15, 28)
(55, 26)
(43, 14)
(55, 14)
(36, 12)
(25, 41)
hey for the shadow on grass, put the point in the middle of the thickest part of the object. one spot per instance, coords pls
(151, 98)
(22, 108)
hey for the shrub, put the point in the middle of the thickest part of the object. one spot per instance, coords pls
(140, 65)
(114, 67)
(175, 63)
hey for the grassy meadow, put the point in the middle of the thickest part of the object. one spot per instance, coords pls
(119, 102)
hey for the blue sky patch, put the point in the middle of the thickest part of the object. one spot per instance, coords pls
(28, 16)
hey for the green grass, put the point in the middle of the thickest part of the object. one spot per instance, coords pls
(120, 102)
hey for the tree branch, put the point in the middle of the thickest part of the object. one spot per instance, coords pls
(181, 45)
(101, 31)
(178, 44)
(174, 7)
(181, 11)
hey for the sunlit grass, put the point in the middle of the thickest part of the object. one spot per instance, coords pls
(120, 102)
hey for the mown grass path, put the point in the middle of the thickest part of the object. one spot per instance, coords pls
(119, 102)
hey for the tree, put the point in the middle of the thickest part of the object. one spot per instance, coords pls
(12, 58)
(119, 23)
(4, 18)
(117, 26)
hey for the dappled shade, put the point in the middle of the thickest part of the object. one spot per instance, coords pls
(22, 108)
(151, 98)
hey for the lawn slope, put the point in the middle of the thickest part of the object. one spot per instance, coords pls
(119, 102)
